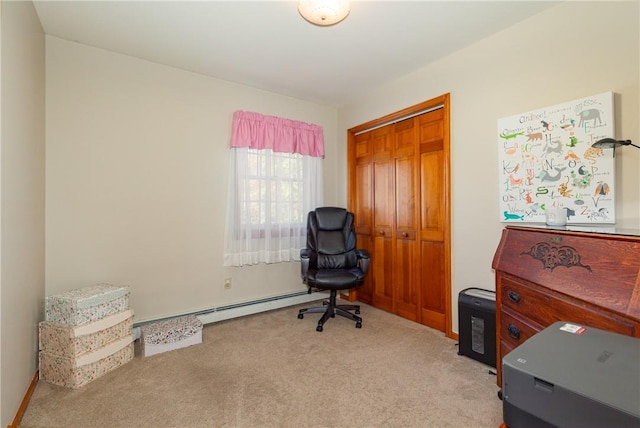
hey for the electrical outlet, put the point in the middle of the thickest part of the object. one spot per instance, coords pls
(227, 283)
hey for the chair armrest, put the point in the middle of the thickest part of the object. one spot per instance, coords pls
(364, 258)
(305, 255)
(363, 254)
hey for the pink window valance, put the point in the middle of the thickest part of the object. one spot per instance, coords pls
(257, 131)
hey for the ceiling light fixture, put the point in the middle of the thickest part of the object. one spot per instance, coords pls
(323, 12)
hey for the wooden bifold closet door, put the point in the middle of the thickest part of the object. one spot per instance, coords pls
(399, 192)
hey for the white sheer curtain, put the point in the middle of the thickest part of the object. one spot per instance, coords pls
(270, 191)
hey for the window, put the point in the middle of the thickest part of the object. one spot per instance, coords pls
(270, 194)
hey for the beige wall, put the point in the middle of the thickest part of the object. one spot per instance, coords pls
(137, 164)
(22, 200)
(568, 52)
(137, 161)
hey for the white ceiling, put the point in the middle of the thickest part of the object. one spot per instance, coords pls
(267, 45)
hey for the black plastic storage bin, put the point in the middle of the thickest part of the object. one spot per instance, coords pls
(477, 325)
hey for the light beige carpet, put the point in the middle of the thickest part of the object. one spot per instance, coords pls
(274, 370)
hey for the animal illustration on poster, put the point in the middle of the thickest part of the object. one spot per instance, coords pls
(546, 160)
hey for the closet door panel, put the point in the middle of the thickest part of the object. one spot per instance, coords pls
(432, 196)
(405, 201)
(404, 138)
(405, 278)
(362, 206)
(405, 272)
(381, 143)
(364, 293)
(432, 229)
(363, 210)
(433, 299)
(382, 258)
(382, 273)
(432, 176)
(360, 157)
(383, 196)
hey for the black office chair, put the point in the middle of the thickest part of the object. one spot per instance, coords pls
(331, 261)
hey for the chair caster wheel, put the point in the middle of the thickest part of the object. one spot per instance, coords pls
(300, 316)
(319, 328)
(357, 312)
(359, 324)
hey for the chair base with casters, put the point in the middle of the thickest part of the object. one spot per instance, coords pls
(330, 309)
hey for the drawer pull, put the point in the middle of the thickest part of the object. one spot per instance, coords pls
(513, 331)
(513, 296)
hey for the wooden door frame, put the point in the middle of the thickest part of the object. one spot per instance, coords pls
(443, 102)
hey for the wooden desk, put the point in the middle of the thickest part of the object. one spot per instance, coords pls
(545, 275)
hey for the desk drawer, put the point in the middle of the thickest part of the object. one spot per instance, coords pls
(545, 307)
(514, 330)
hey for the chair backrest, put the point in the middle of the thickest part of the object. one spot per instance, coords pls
(331, 238)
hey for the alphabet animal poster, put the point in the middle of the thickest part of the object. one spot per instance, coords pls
(546, 160)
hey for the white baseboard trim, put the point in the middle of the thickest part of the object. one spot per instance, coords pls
(222, 313)
(257, 307)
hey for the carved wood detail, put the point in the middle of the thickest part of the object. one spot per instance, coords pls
(553, 256)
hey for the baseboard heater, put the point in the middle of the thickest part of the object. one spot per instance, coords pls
(221, 313)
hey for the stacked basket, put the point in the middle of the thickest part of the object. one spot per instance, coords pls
(86, 334)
